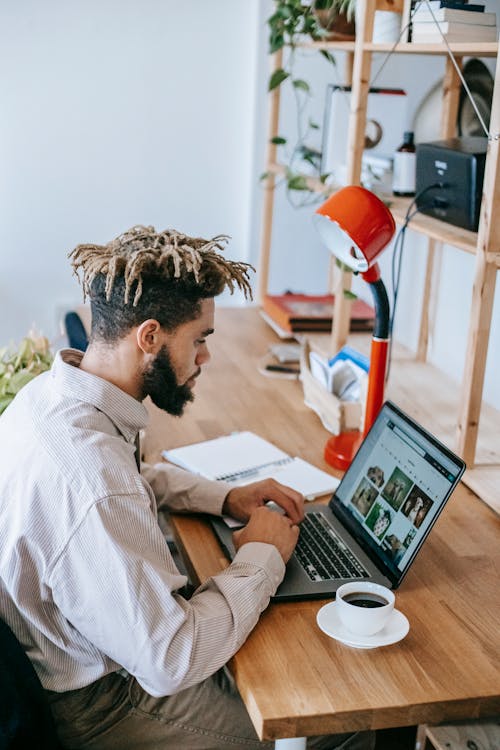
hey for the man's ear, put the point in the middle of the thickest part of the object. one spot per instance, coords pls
(148, 336)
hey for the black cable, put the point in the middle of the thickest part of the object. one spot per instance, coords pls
(397, 260)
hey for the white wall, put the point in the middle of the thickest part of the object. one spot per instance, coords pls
(154, 111)
(299, 261)
(116, 113)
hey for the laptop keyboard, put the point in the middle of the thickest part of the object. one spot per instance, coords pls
(323, 554)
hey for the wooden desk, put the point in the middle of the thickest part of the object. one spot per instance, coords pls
(295, 680)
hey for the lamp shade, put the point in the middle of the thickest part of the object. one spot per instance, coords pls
(355, 226)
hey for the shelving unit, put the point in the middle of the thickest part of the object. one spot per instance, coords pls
(484, 245)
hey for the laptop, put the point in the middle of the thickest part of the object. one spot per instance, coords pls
(378, 517)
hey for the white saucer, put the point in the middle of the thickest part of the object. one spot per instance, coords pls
(329, 622)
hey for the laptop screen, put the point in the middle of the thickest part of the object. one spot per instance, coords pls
(395, 488)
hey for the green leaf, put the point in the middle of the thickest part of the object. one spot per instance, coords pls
(343, 267)
(323, 177)
(265, 175)
(276, 42)
(309, 158)
(19, 380)
(297, 183)
(277, 78)
(278, 140)
(302, 85)
(328, 56)
(313, 125)
(348, 294)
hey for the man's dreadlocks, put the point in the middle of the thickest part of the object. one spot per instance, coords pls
(147, 274)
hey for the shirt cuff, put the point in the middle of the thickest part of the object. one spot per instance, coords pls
(179, 490)
(264, 556)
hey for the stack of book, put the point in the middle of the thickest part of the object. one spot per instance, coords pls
(290, 313)
(455, 21)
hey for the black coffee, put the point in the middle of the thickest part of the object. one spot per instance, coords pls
(365, 599)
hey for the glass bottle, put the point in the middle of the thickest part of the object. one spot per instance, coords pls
(403, 180)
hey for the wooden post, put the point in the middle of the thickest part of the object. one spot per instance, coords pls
(487, 255)
(359, 93)
(429, 298)
(451, 97)
(267, 220)
(348, 68)
(355, 147)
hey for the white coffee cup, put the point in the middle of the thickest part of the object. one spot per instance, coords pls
(364, 608)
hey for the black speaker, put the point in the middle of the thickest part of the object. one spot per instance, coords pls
(449, 180)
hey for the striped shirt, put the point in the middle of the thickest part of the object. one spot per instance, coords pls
(87, 582)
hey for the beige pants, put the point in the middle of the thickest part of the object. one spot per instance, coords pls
(115, 713)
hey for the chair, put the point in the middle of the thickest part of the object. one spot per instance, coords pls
(25, 717)
(75, 331)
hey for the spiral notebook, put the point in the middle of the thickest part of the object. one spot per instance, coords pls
(243, 457)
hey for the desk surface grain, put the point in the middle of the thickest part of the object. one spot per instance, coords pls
(294, 679)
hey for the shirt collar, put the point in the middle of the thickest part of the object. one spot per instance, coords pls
(128, 415)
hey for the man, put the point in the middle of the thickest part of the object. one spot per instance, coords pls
(87, 581)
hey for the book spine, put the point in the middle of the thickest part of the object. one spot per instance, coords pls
(462, 32)
(455, 16)
(277, 313)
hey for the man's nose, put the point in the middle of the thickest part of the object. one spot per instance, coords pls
(203, 355)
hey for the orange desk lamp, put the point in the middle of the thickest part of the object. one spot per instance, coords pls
(356, 226)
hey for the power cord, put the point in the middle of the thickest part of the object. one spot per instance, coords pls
(397, 258)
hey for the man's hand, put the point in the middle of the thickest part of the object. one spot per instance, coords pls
(242, 501)
(269, 527)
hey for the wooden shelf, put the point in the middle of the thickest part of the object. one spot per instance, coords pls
(483, 245)
(428, 225)
(468, 49)
(438, 230)
(314, 184)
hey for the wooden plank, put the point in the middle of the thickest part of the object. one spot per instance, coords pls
(429, 299)
(355, 147)
(359, 94)
(267, 219)
(448, 234)
(342, 281)
(421, 740)
(451, 97)
(348, 68)
(483, 294)
(483, 291)
(462, 49)
(484, 49)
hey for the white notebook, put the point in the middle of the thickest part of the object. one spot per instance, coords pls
(243, 457)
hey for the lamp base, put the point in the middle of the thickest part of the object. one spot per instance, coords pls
(341, 449)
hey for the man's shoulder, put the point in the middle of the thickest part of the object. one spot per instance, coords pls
(76, 441)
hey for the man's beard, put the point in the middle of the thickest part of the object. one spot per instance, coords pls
(160, 384)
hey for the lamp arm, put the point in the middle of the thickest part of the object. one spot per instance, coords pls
(379, 350)
(382, 309)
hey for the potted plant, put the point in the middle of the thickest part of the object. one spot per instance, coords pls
(336, 18)
(19, 366)
(290, 22)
